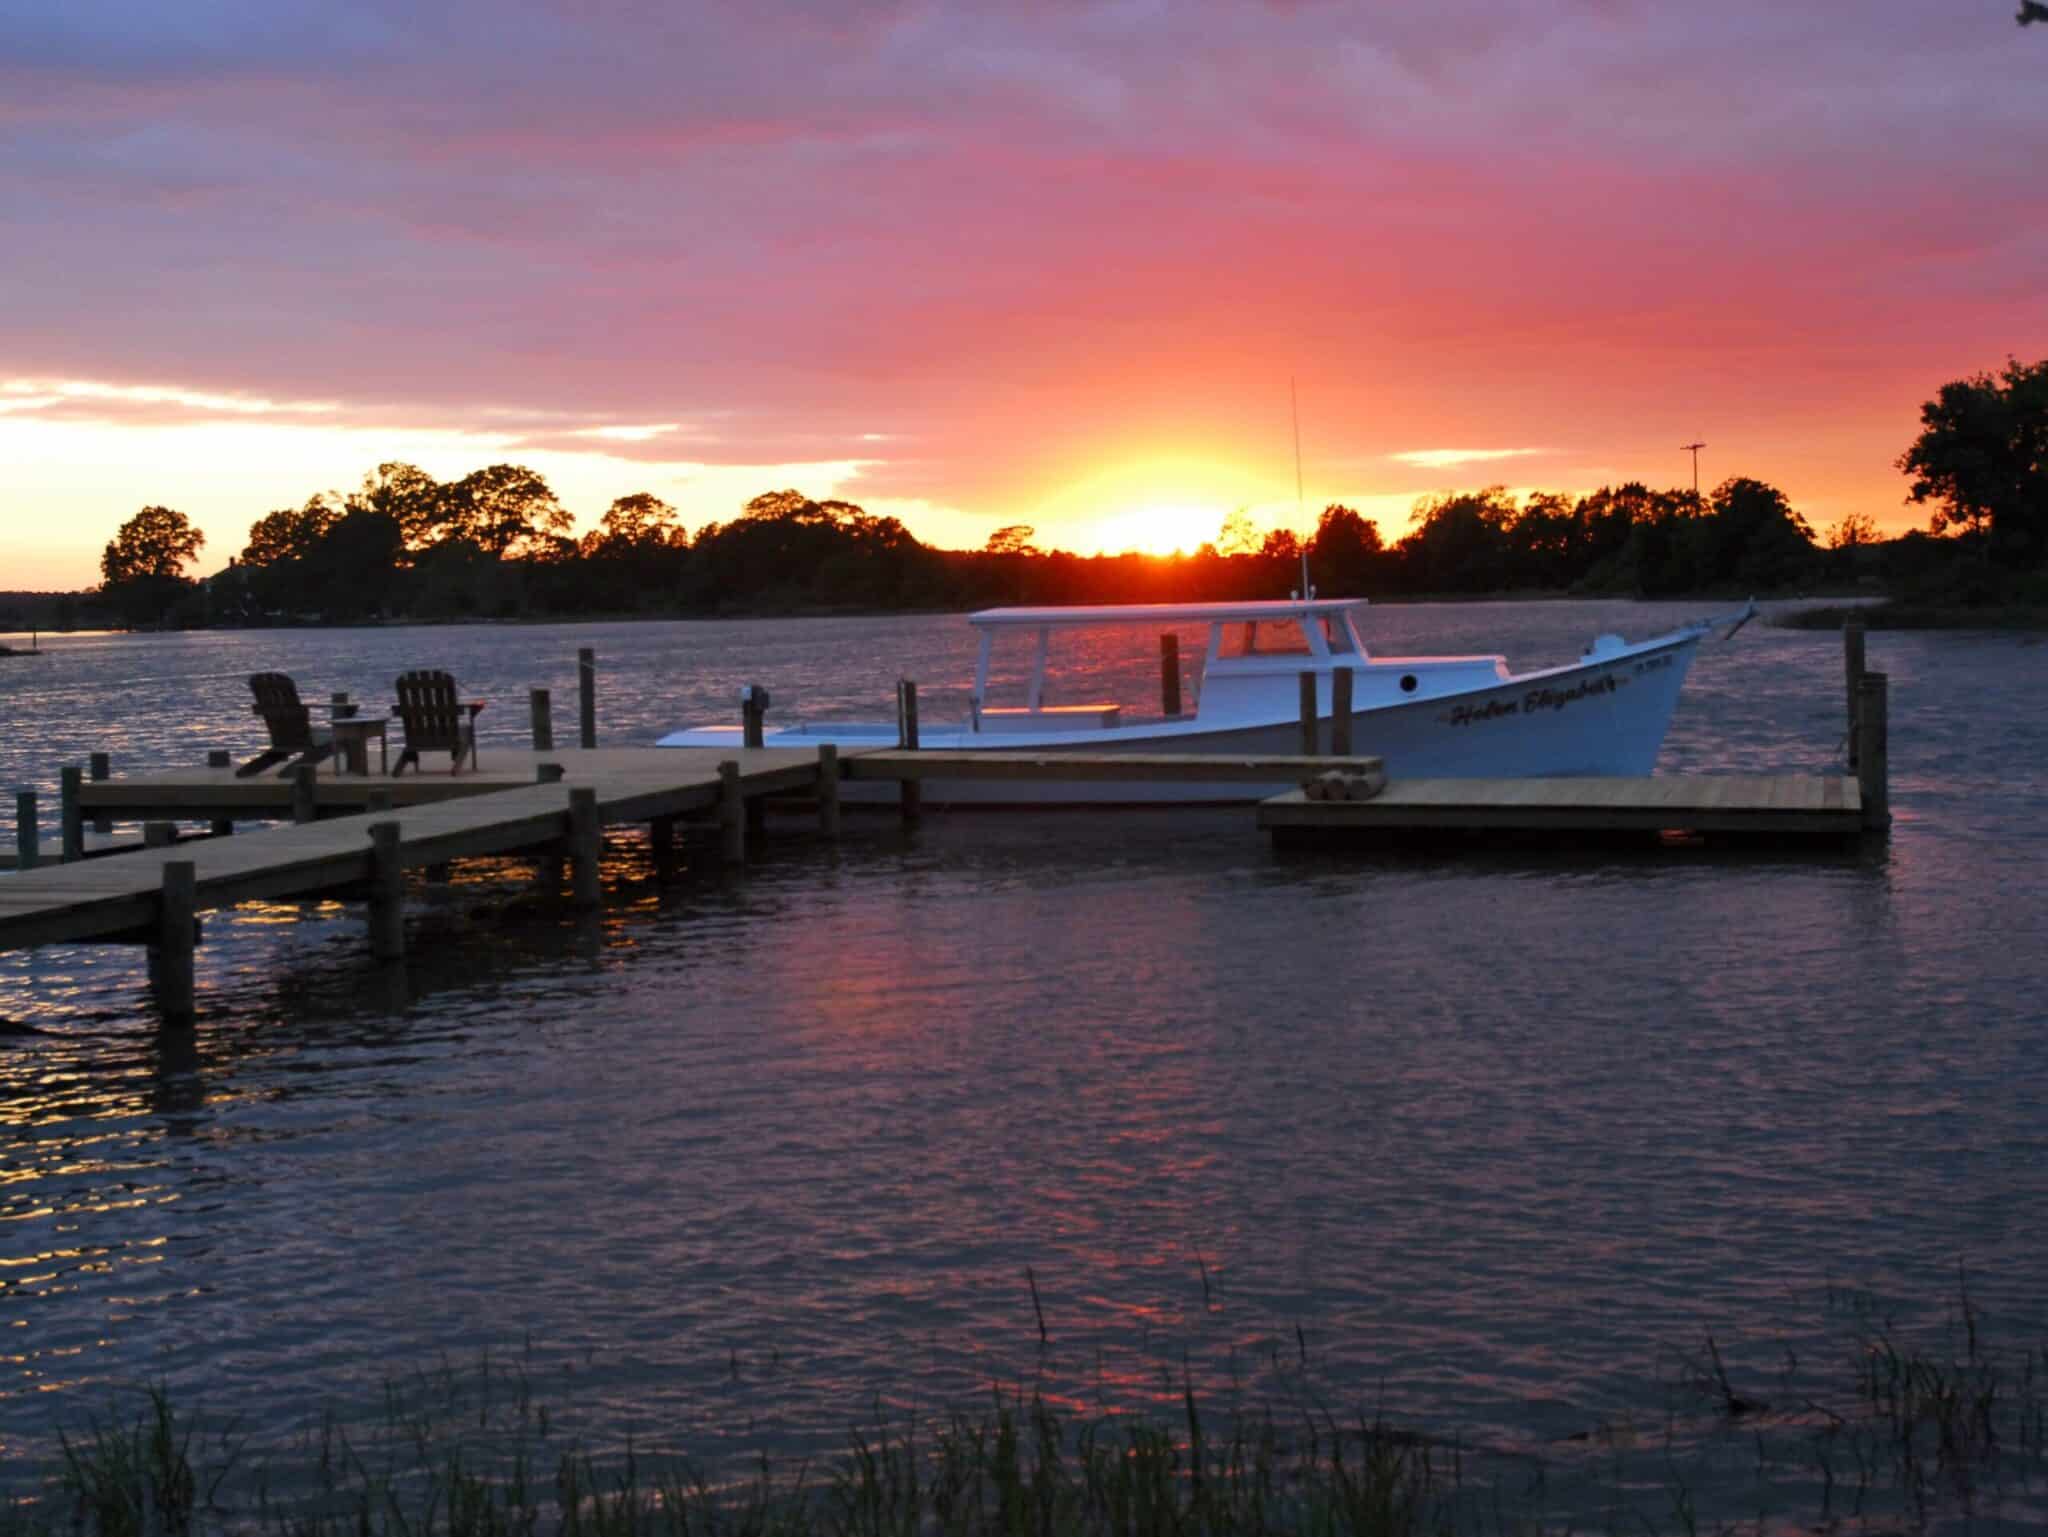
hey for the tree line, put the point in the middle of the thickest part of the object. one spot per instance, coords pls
(497, 543)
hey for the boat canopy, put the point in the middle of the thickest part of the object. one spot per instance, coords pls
(1333, 634)
(1076, 616)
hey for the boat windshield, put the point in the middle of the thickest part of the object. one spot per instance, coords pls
(1265, 637)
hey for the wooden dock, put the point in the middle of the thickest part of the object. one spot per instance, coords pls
(1751, 805)
(361, 833)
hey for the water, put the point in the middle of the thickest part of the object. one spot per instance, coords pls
(1487, 1144)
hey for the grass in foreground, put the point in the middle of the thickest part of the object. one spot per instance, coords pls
(1915, 1440)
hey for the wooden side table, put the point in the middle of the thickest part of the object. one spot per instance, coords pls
(352, 735)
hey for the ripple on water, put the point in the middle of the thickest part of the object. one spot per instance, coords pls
(1485, 1143)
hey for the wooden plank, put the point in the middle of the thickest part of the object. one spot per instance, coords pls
(1702, 803)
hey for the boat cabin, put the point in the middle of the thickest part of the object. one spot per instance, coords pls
(1255, 653)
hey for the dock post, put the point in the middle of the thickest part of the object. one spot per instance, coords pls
(586, 697)
(828, 790)
(1340, 712)
(99, 766)
(1873, 750)
(1309, 734)
(177, 931)
(732, 814)
(159, 835)
(1852, 668)
(387, 893)
(543, 713)
(753, 715)
(548, 773)
(70, 777)
(661, 842)
(28, 837)
(1169, 673)
(219, 758)
(305, 806)
(906, 738)
(586, 843)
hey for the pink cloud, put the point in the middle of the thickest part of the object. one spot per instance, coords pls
(1016, 241)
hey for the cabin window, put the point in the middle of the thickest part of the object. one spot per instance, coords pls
(1265, 637)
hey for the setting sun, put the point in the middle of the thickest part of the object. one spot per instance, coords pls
(1160, 528)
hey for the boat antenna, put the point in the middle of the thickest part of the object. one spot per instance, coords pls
(1294, 405)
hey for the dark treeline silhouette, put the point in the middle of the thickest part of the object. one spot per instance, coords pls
(497, 544)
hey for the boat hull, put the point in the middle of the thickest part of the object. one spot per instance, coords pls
(1598, 717)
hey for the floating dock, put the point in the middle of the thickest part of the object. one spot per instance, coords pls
(1749, 805)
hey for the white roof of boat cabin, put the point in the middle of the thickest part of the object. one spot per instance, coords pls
(1068, 616)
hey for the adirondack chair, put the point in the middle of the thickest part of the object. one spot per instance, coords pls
(435, 719)
(292, 732)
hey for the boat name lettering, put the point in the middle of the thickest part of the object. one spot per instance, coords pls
(1557, 698)
(1536, 699)
(1467, 714)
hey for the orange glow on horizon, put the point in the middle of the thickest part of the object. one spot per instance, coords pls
(1159, 528)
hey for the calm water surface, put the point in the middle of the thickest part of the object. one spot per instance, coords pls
(1482, 1143)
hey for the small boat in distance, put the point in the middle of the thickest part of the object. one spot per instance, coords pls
(1454, 717)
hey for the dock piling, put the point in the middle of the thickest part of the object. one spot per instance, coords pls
(177, 932)
(548, 773)
(586, 697)
(541, 708)
(661, 843)
(28, 837)
(828, 790)
(1852, 668)
(387, 893)
(1873, 750)
(1169, 674)
(753, 716)
(732, 814)
(1340, 712)
(99, 766)
(1310, 746)
(71, 777)
(906, 738)
(586, 842)
(220, 758)
(305, 804)
(159, 835)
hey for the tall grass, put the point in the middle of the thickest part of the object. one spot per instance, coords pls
(1904, 1436)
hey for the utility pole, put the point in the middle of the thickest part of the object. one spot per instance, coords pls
(1694, 450)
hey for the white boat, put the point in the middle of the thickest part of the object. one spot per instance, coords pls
(1424, 716)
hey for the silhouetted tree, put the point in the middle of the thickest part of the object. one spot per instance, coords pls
(502, 509)
(1012, 539)
(143, 565)
(1982, 459)
(1460, 543)
(1346, 555)
(408, 495)
(1753, 538)
(357, 562)
(279, 571)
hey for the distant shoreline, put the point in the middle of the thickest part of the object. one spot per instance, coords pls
(1399, 600)
(1893, 615)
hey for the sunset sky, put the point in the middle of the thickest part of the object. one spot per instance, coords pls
(979, 264)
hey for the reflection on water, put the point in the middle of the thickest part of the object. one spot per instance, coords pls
(1496, 1134)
